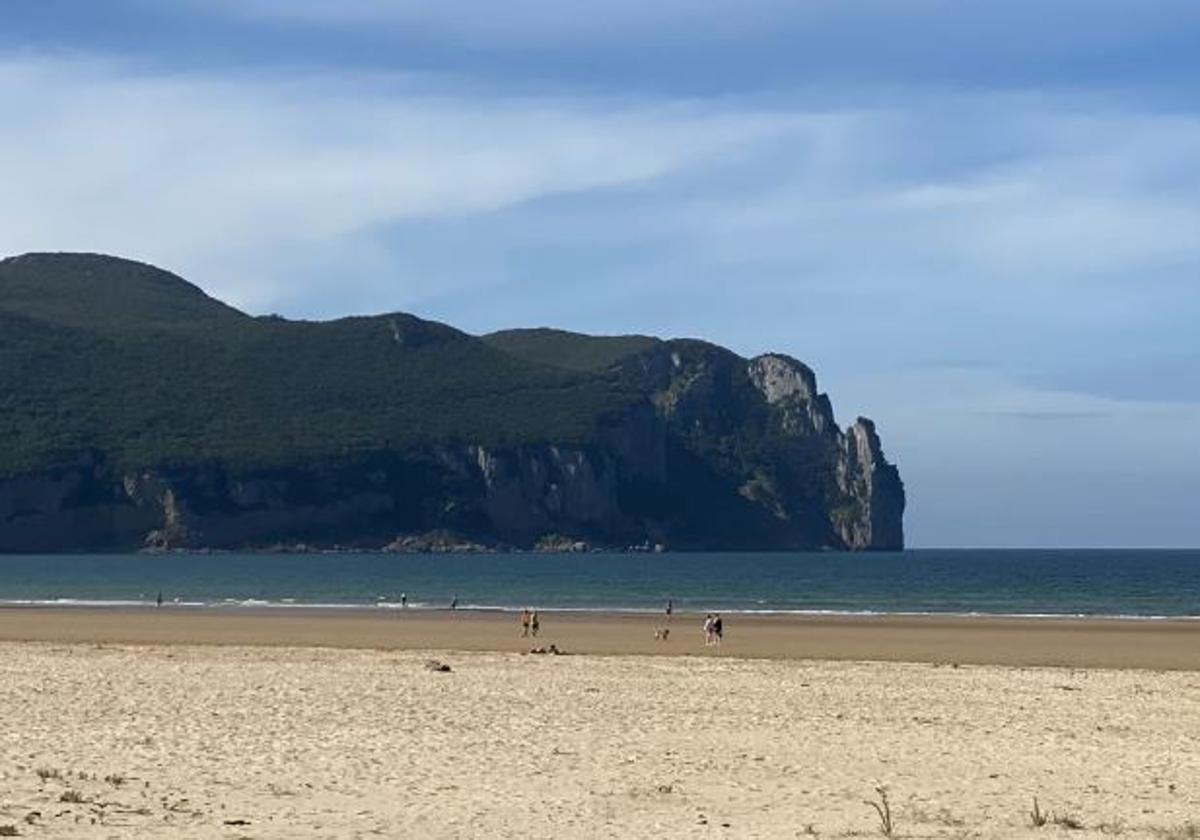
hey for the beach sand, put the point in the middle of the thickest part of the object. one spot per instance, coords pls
(1098, 643)
(232, 740)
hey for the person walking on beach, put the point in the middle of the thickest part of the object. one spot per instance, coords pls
(524, 623)
(534, 624)
(670, 609)
(718, 630)
(708, 629)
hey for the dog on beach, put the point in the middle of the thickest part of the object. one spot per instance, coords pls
(661, 634)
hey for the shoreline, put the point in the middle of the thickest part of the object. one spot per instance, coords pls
(382, 608)
(1117, 643)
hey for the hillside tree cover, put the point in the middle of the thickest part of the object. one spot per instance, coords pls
(109, 355)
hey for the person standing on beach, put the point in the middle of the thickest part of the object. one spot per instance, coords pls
(718, 630)
(158, 601)
(670, 609)
(708, 629)
(534, 624)
(454, 603)
(524, 623)
(403, 600)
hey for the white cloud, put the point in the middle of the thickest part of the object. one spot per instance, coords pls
(270, 191)
(1061, 201)
(235, 181)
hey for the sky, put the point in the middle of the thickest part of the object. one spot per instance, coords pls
(979, 222)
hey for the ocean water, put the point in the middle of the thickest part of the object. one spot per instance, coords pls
(1133, 584)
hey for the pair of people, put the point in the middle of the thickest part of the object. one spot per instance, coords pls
(530, 624)
(714, 630)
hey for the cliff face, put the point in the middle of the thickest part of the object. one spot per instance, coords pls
(726, 454)
(561, 439)
(763, 427)
(874, 511)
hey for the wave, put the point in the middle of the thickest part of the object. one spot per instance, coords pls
(423, 606)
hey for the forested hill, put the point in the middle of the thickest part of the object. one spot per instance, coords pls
(135, 411)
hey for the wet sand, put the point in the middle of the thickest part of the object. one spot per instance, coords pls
(1084, 643)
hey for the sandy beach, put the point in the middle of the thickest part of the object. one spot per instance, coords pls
(199, 733)
(1070, 642)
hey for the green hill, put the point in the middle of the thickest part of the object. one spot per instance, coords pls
(572, 351)
(105, 294)
(137, 411)
(113, 355)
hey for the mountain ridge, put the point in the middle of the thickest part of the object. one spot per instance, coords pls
(140, 412)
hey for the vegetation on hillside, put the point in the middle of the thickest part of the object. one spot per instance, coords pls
(572, 351)
(108, 355)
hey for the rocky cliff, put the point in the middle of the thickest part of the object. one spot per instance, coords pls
(190, 425)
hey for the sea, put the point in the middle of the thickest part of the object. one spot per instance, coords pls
(1126, 583)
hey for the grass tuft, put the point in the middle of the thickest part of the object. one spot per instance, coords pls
(1039, 818)
(1067, 821)
(884, 809)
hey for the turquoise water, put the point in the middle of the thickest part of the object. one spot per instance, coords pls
(1122, 583)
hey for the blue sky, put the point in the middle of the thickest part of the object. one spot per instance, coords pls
(979, 222)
